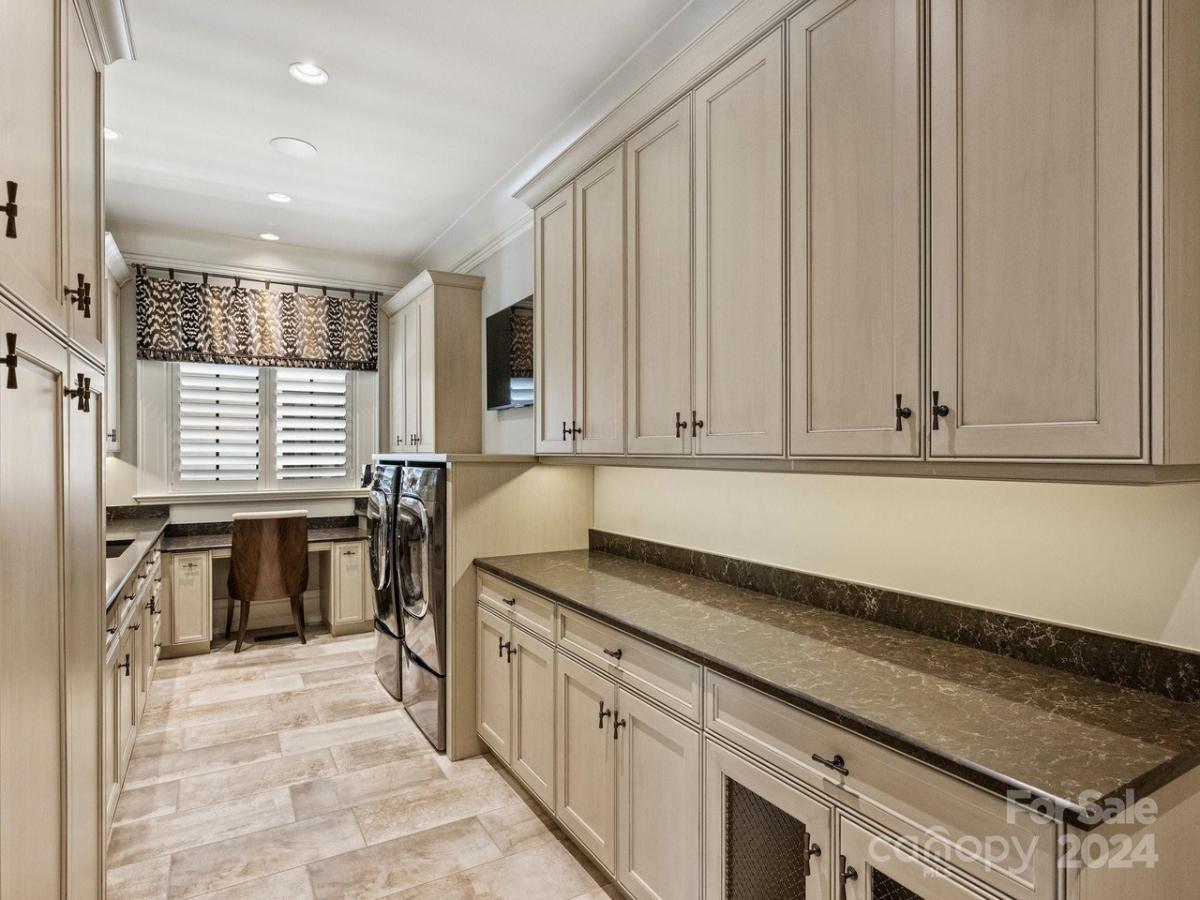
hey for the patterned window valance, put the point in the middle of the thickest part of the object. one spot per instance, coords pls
(190, 321)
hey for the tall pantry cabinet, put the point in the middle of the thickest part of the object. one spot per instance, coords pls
(52, 364)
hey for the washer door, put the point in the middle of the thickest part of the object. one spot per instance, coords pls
(414, 585)
(379, 522)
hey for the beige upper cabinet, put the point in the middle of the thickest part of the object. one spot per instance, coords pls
(83, 255)
(29, 148)
(554, 323)
(1035, 148)
(435, 337)
(739, 255)
(854, 188)
(658, 171)
(600, 306)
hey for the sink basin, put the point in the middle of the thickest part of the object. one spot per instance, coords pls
(113, 549)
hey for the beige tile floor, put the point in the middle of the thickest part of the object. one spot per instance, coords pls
(287, 771)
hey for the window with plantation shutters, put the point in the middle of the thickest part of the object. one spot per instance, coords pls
(311, 424)
(219, 423)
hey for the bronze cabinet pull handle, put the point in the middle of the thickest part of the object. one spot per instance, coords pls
(940, 410)
(604, 713)
(618, 724)
(902, 412)
(10, 359)
(838, 764)
(615, 654)
(10, 210)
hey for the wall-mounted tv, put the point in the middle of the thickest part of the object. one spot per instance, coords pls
(510, 356)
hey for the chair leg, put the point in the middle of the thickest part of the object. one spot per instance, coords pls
(242, 627)
(229, 618)
(298, 617)
(303, 621)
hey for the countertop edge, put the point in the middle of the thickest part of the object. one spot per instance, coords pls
(111, 599)
(1067, 811)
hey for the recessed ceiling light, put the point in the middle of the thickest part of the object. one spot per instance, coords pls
(309, 73)
(294, 147)
(276, 197)
(267, 236)
(111, 135)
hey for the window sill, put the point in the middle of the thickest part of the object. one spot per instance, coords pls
(182, 497)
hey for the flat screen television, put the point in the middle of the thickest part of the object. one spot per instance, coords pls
(510, 356)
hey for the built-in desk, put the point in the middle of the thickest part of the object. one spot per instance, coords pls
(195, 598)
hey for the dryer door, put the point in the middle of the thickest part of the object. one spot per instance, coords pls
(415, 586)
(379, 521)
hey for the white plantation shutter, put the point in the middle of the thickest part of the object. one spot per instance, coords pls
(311, 419)
(218, 423)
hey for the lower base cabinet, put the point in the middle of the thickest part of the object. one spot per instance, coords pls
(766, 837)
(870, 867)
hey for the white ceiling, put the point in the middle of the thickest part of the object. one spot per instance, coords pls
(429, 103)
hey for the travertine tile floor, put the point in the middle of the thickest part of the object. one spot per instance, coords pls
(287, 771)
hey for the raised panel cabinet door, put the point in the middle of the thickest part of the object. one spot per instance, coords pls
(413, 367)
(658, 185)
(396, 371)
(493, 686)
(600, 306)
(763, 833)
(586, 756)
(83, 636)
(1036, 309)
(426, 425)
(33, 430)
(871, 867)
(112, 366)
(111, 781)
(854, 192)
(29, 155)
(82, 263)
(126, 697)
(554, 323)
(658, 802)
(739, 256)
(351, 591)
(191, 598)
(533, 714)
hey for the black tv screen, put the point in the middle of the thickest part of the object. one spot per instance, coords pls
(510, 356)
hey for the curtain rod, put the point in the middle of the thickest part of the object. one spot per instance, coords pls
(238, 279)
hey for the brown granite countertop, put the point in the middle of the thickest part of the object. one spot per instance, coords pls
(181, 543)
(143, 533)
(996, 722)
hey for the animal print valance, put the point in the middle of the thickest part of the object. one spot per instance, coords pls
(189, 321)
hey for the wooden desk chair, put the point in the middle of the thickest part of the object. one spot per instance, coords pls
(269, 561)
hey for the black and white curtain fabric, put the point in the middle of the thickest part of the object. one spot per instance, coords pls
(185, 321)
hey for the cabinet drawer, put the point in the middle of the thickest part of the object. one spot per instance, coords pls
(529, 610)
(669, 679)
(938, 812)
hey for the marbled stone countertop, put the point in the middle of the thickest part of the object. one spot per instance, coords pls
(996, 722)
(143, 533)
(181, 543)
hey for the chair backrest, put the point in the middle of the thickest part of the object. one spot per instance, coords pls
(270, 555)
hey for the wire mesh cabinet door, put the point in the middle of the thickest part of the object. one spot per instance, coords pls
(870, 867)
(767, 839)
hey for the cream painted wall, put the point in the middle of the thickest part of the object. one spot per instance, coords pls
(508, 277)
(1118, 559)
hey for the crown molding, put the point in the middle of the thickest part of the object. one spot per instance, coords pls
(108, 24)
(504, 238)
(114, 261)
(426, 280)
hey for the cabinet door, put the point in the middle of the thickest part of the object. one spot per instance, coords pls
(873, 868)
(586, 754)
(112, 368)
(764, 836)
(493, 684)
(658, 170)
(29, 105)
(426, 334)
(855, 144)
(396, 371)
(554, 322)
(658, 805)
(145, 642)
(533, 714)
(1036, 306)
(191, 598)
(84, 629)
(83, 254)
(600, 306)
(111, 737)
(739, 255)
(126, 697)
(412, 374)
(32, 435)
(350, 584)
